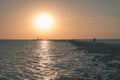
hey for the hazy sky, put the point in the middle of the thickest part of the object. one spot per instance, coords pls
(73, 18)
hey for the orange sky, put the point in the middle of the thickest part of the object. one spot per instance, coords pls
(73, 19)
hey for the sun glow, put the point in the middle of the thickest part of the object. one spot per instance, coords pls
(44, 21)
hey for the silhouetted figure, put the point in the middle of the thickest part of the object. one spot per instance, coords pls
(94, 40)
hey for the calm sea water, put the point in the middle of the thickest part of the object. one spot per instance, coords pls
(49, 60)
(109, 41)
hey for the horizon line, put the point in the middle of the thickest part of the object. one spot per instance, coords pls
(68, 39)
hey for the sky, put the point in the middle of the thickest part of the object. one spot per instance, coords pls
(74, 19)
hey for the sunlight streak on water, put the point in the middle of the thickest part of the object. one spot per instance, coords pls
(44, 45)
(45, 62)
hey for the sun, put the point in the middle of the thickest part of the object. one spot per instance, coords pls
(44, 21)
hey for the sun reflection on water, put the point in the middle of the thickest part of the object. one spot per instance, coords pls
(45, 63)
(44, 45)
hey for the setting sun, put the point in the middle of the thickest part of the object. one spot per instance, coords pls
(44, 21)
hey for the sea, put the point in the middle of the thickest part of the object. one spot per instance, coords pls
(57, 60)
(109, 41)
